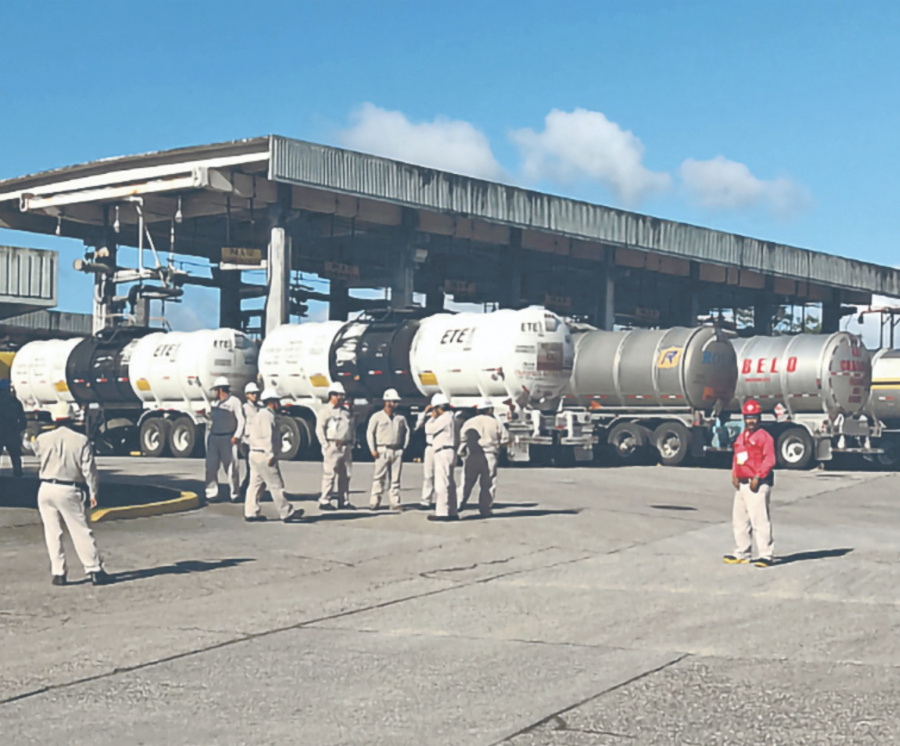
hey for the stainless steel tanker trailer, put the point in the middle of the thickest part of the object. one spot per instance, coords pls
(813, 389)
(640, 389)
(130, 381)
(521, 360)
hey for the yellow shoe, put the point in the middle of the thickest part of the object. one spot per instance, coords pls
(730, 559)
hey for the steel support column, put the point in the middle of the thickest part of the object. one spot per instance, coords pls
(278, 274)
(229, 299)
(338, 306)
(831, 316)
(606, 312)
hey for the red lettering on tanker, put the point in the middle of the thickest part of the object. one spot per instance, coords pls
(766, 365)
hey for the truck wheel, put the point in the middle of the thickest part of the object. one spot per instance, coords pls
(290, 438)
(183, 437)
(155, 437)
(794, 449)
(629, 441)
(672, 440)
(890, 459)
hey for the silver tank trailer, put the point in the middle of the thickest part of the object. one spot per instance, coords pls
(675, 369)
(805, 373)
(884, 400)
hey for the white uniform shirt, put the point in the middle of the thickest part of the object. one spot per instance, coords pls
(385, 431)
(249, 409)
(262, 433)
(443, 431)
(334, 425)
(227, 417)
(67, 456)
(488, 433)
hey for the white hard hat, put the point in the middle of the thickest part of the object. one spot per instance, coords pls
(251, 388)
(61, 411)
(221, 383)
(391, 395)
(439, 400)
(337, 388)
(269, 395)
(485, 404)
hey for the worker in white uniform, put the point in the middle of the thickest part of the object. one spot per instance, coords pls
(67, 472)
(442, 427)
(481, 438)
(225, 432)
(426, 502)
(334, 429)
(250, 407)
(388, 437)
(264, 471)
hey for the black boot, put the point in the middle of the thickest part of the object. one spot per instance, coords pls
(101, 577)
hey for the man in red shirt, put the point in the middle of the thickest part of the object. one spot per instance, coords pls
(753, 477)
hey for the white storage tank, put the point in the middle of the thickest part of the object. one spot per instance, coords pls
(523, 355)
(176, 370)
(39, 373)
(295, 360)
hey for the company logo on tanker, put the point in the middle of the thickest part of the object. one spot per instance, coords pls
(766, 365)
(669, 357)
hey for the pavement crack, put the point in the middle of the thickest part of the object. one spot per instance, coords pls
(557, 717)
(562, 726)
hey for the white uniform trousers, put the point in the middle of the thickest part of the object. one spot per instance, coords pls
(262, 477)
(388, 468)
(428, 477)
(445, 481)
(336, 465)
(480, 467)
(750, 522)
(58, 504)
(221, 454)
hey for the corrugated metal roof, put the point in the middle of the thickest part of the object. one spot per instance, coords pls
(320, 166)
(27, 276)
(54, 321)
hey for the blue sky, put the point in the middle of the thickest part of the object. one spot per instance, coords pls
(777, 120)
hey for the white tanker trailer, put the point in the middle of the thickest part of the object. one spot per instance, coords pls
(883, 406)
(816, 387)
(519, 359)
(129, 379)
(644, 388)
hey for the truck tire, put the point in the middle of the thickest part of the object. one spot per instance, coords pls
(672, 441)
(184, 436)
(890, 459)
(290, 436)
(154, 437)
(794, 449)
(629, 441)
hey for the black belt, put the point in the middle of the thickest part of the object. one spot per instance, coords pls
(257, 450)
(65, 483)
(442, 448)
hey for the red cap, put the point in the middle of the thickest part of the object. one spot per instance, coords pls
(751, 407)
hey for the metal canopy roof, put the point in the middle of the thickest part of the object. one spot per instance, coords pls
(241, 179)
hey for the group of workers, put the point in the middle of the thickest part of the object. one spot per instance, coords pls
(68, 473)
(250, 427)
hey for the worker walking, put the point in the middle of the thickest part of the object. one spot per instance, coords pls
(12, 425)
(388, 437)
(250, 407)
(481, 439)
(264, 471)
(67, 471)
(225, 432)
(334, 429)
(753, 476)
(444, 442)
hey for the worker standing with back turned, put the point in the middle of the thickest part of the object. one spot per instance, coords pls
(68, 473)
(334, 429)
(753, 476)
(250, 407)
(12, 424)
(264, 472)
(225, 432)
(444, 441)
(388, 437)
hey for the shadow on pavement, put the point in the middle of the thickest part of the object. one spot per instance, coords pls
(528, 513)
(673, 507)
(814, 555)
(183, 567)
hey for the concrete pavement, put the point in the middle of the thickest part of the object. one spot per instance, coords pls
(593, 609)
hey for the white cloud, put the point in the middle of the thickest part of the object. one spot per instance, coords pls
(722, 184)
(584, 144)
(445, 144)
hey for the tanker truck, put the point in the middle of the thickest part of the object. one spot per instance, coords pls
(642, 389)
(883, 406)
(130, 381)
(816, 387)
(520, 359)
